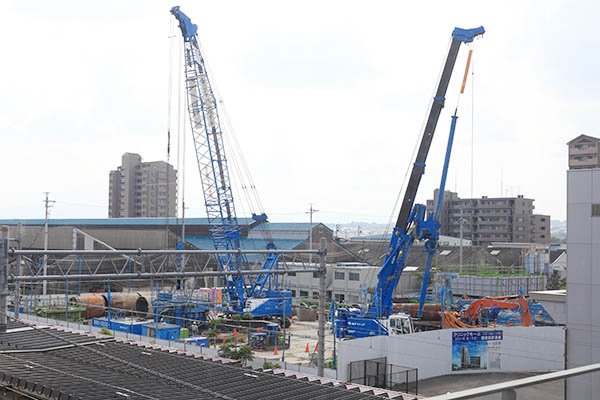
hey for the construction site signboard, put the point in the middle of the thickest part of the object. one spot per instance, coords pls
(476, 349)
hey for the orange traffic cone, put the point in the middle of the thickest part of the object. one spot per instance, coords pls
(317, 347)
(307, 350)
(275, 351)
(332, 353)
(224, 340)
(235, 335)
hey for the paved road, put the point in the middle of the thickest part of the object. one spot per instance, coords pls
(457, 382)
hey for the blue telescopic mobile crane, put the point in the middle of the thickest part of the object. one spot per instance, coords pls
(412, 224)
(259, 298)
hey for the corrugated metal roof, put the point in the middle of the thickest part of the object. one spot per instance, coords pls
(287, 226)
(116, 221)
(206, 243)
(114, 369)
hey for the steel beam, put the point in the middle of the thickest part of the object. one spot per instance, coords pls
(141, 252)
(148, 275)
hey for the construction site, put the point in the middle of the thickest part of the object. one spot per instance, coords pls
(457, 298)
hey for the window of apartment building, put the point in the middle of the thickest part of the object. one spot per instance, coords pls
(520, 219)
(315, 295)
(291, 274)
(303, 293)
(543, 228)
(520, 228)
(595, 210)
(315, 274)
(340, 275)
(543, 219)
(353, 276)
(520, 236)
(543, 236)
(339, 297)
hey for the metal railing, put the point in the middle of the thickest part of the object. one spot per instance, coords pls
(377, 373)
(508, 388)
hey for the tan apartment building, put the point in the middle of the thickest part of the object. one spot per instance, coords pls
(583, 152)
(496, 219)
(142, 189)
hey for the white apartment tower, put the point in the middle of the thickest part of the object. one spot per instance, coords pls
(583, 270)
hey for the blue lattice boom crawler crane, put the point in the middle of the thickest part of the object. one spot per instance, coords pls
(261, 297)
(412, 224)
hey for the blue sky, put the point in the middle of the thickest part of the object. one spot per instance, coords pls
(326, 98)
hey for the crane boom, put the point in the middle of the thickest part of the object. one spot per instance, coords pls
(210, 155)
(458, 36)
(412, 223)
(261, 298)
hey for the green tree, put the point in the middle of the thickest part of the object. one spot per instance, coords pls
(270, 365)
(554, 282)
(242, 353)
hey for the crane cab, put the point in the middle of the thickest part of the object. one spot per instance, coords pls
(400, 324)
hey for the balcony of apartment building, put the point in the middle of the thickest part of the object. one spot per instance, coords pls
(484, 203)
(583, 160)
(492, 229)
(583, 148)
(494, 211)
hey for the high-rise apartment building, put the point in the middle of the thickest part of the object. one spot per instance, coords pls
(142, 189)
(486, 220)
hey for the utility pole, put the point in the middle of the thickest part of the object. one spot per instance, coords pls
(311, 211)
(19, 272)
(3, 277)
(45, 266)
(460, 252)
(321, 332)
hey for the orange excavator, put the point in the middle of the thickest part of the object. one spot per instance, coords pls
(475, 309)
(470, 317)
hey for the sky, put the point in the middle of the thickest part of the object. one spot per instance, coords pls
(326, 100)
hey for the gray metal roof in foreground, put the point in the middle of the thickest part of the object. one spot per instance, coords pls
(64, 365)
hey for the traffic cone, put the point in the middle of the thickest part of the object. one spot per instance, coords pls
(235, 335)
(275, 352)
(317, 347)
(332, 353)
(224, 340)
(307, 350)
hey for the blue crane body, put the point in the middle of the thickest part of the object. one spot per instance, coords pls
(412, 224)
(257, 297)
